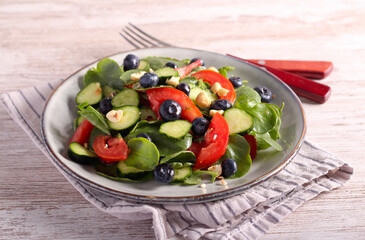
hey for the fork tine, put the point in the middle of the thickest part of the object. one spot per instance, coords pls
(146, 40)
(135, 39)
(127, 39)
(162, 43)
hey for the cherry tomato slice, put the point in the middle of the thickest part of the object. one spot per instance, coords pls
(157, 96)
(110, 149)
(216, 140)
(82, 133)
(184, 71)
(253, 145)
(212, 77)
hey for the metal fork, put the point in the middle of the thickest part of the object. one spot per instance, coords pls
(140, 39)
(302, 86)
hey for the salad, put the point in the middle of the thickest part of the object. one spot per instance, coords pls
(174, 121)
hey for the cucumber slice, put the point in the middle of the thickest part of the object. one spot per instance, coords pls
(144, 65)
(90, 94)
(127, 97)
(130, 117)
(238, 121)
(81, 154)
(176, 129)
(182, 173)
(148, 114)
(167, 72)
(194, 92)
(124, 169)
(109, 91)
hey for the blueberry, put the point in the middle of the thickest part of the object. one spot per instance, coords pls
(171, 65)
(130, 62)
(170, 110)
(105, 105)
(229, 167)
(184, 87)
(164, 173)
(200, 126)
(265, 94)
(144, 135)
(221, 104)
(196, 59)
(236, 81)
(149, 80)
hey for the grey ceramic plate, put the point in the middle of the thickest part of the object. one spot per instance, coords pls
(60, 112)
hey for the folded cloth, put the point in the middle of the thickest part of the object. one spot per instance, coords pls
(246, 216)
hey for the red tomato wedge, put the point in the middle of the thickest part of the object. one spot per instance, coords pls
(110, 149)
(184, 71)
(212, 77)
(157, 96)
(216, 140)
(196, 147)
(82, 133)
(253, 145)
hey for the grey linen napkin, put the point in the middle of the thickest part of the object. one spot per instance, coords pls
(246, 216)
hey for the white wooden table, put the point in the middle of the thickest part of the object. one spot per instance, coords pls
(42, 41)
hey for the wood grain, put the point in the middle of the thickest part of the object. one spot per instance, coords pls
(42, 41)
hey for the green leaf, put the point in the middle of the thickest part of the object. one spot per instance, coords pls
(107, 72)
(180, 157)
(165, 144)
(246, 97)
(94, 117)
(238, 149)
(159, 62)
(225, 69)
(144, 154)
(112, 172)
(126, 76)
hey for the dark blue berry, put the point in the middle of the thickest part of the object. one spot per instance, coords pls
(265, 94)
(164, 173)
(221, 104)
(171, 65)
(183, 86)
(229, 167)
(170, 110)
(200, 126)
(130, 62)
(144, 135)
(236, 81)
(105, 105)
(196, 59)
(149, 80)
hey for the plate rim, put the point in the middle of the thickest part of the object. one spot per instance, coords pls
(183, 199)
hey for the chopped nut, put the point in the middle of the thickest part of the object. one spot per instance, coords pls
(204, 190)
(203, 185)
(174, 81)
(213, 69)
(215, 87)
(136, 76)
(202, 100)
(150, 70)
(220, 178)
(223, 183)
(85, 145)
(114, 116)
(216, 168)
(222, 92)
(213, 112)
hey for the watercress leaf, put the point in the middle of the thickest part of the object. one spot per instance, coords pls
(238, 149)
(225, 69)
(95, 118)
(106, 72)
(265, 141)
(112, 172)
(181, 157)
(264, 117)
(126, 76)
(143, 154)
(165, 144)
(159, 62)
(246, 97)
